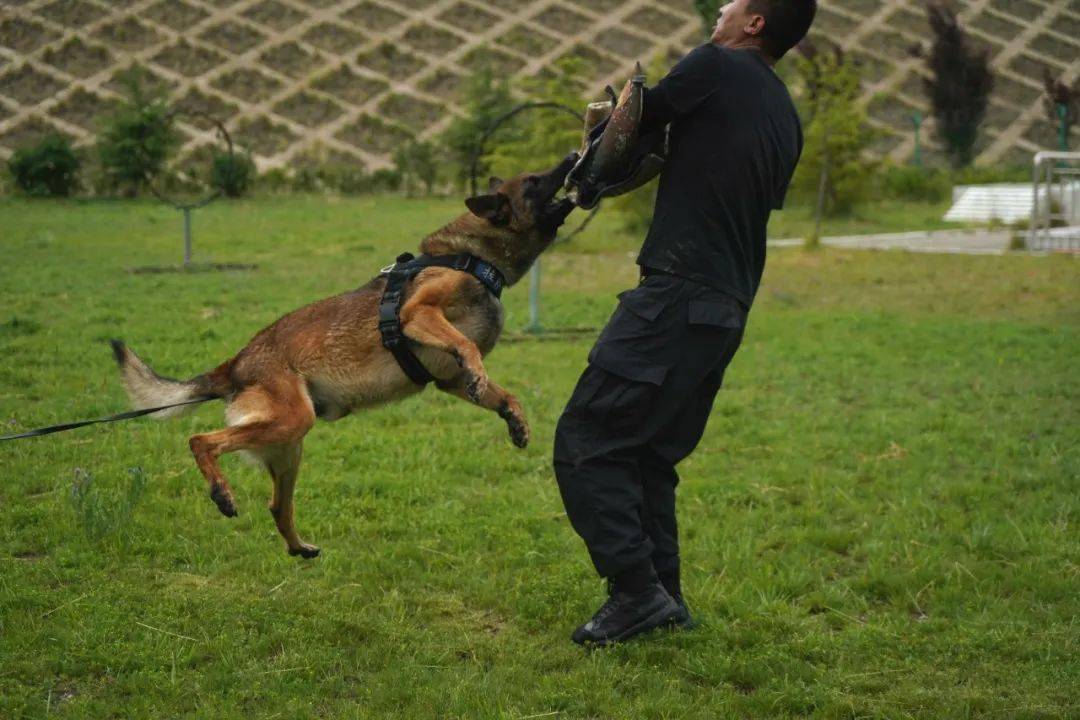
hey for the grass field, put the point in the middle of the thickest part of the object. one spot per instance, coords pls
(881, 522)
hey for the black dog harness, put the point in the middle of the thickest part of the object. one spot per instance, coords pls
(397, 277)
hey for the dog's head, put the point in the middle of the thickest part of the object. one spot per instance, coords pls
(526, 205)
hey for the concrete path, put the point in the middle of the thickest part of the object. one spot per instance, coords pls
(961, 242)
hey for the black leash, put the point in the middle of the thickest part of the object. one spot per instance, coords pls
(131, 414)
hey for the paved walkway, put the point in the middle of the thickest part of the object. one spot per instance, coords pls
(962, 242)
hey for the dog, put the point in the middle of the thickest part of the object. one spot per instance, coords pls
(326, 360)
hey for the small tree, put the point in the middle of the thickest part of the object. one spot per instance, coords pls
(834, 166)
(543, 136)
(960, 84)
(416, 164)
(48, 169)
(487, 98)
(1059, 95)
(138, 138)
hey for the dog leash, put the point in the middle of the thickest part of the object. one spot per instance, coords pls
(129, 415)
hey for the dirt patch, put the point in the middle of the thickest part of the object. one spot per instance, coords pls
(413, 113)
(28, 86)
(562, 20)
(175, 14)
(274, 15)
(79, 59)
(308, 109)
(347, 85)
(264, 137)
(432, 40)
(392, 61)
(527, 40)
(24, 36)
(292, 60)
(29, 133)
(72, 13)
(128, 34)
(597, 63)
(468, 17)
(196, 104)
(84, 109)
(625, 44)
(334, 38)
(233, 36)
(248, 84)
(374, 135)
(655, 21)
(444, 84)
(373, 18)
(498, 62)
(188, 60)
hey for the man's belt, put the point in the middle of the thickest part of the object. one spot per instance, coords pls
(398, 276)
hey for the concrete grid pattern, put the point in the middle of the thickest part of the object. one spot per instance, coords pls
(349, 80)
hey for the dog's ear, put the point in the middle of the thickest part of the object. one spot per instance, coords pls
(494, 183)
(494, 208)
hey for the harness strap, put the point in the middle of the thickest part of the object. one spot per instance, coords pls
(398, 276)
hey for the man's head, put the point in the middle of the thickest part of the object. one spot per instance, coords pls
(775, 26)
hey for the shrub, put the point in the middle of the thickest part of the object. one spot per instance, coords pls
(232, 174)
(539, 138)
(960, 85)
(137, 138)
(837, 133)
(707, 9)
(48, 169)
(487, 98)
(417, 165)
(915, 184)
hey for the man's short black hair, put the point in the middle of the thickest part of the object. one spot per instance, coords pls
(786, 23)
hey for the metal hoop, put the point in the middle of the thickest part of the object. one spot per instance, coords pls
(222, 133)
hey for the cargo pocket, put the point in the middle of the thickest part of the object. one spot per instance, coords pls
(628, 392)
(717, 314)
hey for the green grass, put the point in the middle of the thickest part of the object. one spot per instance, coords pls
(881, 521)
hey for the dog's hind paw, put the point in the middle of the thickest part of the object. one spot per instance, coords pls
(519, 433)
(224, 501)
(305, 551)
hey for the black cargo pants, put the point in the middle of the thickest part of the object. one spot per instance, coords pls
(639, 408)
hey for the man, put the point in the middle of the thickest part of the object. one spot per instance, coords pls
(642, 404)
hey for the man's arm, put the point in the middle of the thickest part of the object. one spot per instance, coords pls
(689, 84)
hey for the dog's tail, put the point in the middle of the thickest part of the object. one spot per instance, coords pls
(147, 389)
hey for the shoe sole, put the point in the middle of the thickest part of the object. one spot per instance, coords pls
(658, 618)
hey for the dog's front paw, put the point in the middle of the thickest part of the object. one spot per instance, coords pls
(519, 432)
(224, 501)
(477, 388)
(514, 416)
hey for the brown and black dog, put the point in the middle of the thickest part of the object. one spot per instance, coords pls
(327, 359)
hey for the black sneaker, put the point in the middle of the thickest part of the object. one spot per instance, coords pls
(625, 615)
(682, 619)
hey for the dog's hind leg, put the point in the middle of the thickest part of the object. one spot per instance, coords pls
(283, 462)
(496, 399)
(274, 413)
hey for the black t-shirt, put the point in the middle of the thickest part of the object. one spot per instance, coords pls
(734, 141)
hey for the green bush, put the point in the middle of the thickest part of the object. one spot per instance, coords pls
(487, 98)
(48, 169)
(232, 174)
(137, 138)
(837, 134)
(915, 183)
(542, 137)
(417, 164)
